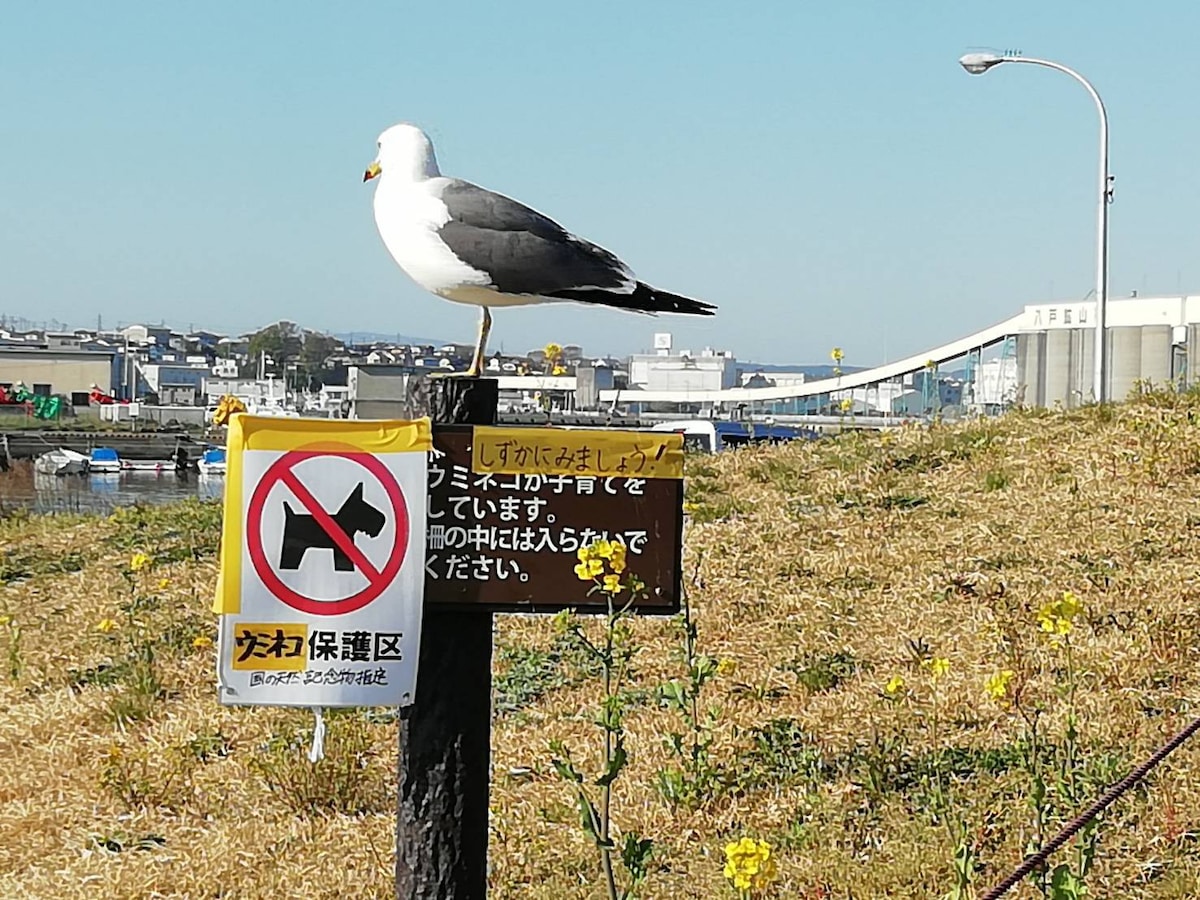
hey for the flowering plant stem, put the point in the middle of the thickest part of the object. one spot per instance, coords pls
(613, 655)
(613, 733)
(696, 778)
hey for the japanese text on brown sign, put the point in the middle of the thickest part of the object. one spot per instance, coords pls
(587, 452)
(511, 540)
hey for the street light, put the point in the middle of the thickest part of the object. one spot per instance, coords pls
(977, 64)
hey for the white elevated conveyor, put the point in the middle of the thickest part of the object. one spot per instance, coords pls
(886, 372)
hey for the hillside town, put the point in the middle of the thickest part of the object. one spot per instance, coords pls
(165, 376)
(283, 367)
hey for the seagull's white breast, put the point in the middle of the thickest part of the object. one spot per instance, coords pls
(408, 215)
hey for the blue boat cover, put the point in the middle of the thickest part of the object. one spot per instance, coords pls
(103, 454)
(214, 455)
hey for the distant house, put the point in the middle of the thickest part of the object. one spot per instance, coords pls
(202, 343)
(21, 339)
(62, 340)
(205, 338)
(176, 384)
(158, 335)
(234, 347)
(225, 368)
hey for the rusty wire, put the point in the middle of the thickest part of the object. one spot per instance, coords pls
(1107, 799)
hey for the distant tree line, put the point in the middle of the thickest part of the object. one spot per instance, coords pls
(285, 343)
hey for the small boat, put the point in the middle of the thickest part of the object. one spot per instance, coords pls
(61, 462)
(154, 466)
(212, 462)
(104, 459)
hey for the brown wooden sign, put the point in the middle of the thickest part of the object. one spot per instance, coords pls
(507, 541)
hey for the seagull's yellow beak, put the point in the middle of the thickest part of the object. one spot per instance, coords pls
(372, 171)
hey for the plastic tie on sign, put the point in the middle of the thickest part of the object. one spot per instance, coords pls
(317, 752)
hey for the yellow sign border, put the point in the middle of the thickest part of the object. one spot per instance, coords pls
(248, 432)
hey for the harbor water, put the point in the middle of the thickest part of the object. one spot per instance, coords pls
(22, 488)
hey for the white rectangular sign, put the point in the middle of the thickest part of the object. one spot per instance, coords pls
(323, 562)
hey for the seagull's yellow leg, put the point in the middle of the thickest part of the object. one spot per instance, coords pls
(476, 369)
(485, 328)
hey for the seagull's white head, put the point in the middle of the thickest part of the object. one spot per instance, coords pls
(405, 153)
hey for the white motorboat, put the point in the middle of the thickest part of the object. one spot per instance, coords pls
(104, 460)
(61, 462)
(212, 462)
(153, 466)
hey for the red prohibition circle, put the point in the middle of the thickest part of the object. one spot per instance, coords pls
(377, 582)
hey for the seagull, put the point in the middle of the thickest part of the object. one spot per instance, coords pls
(469, 245)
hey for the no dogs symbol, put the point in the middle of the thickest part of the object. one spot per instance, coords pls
(327, 530)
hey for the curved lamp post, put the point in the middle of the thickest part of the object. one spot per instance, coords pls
(977, 64)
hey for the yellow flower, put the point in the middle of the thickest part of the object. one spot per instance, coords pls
(1051, 623)
(690, 507)
(595, 567)
(201, 641)
(1057, 617)
(617, 562)
(749, 865)
(5, 620)
(931, 364)
(603, 549)
(938, 666)
(612, 584)
(140, 561)
(894, 685)
(836, 354)
(163, 583)
(553, 352)
(726, 666)
(1046, 619)
(997, 685)
(584, 554)
(583, 572)
(106, 626)
(846, 404)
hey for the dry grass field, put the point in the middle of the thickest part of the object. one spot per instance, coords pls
(927, 641)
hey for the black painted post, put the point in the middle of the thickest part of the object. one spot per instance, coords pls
(445, 740)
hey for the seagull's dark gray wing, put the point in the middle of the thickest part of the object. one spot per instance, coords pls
(522, 251)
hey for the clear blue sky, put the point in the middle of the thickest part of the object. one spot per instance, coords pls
(826, 173)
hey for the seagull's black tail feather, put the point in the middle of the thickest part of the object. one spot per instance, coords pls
(643, 299)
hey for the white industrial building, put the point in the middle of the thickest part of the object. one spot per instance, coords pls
(995, 383)
(708, 370)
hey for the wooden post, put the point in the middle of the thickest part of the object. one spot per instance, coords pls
(445, 739)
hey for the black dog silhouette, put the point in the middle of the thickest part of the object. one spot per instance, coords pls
(302, 532)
